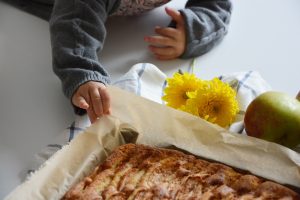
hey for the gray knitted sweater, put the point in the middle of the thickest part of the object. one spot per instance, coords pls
(78, 32)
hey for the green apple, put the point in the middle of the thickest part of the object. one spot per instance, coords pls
(274, 116)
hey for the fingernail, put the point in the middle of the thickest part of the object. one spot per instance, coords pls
(84, 106)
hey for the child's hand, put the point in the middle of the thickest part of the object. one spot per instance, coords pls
(94, 98)
(170, 42)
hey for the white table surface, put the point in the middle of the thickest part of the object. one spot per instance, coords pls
(263, 36)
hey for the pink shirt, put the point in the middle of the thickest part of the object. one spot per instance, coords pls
(136, 7)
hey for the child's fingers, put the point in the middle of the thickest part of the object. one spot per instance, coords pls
(162, 51)
(89, 96)
(160, 57)
(105, 100)
(167, 32)
(160, 40)
(80, 102)
(175, 15)
(92, 115)
(96, 101)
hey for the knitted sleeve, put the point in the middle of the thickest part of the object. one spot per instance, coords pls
(77, 30)
(206, 24)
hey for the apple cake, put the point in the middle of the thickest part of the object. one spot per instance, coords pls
(142, 172)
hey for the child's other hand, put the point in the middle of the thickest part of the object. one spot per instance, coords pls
(170, 42)
(94, 98)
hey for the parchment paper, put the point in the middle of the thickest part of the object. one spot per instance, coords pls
(135, 119)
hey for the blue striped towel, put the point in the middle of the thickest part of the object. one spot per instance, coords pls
(146, 80)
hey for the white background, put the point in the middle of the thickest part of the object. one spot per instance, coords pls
(263, 36)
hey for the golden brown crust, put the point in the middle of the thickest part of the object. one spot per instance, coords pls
(142, 172)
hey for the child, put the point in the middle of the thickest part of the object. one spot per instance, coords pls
(78, 32)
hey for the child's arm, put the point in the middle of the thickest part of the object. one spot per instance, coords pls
(206, 25)
(77, 33)
(193, 30)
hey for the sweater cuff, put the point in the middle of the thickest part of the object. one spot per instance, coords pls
(202, 40)
(199, 47)
(74, 83)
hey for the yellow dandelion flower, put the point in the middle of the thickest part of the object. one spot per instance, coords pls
(177, 88)
(216, 103)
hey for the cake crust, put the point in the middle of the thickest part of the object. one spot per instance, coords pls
(136, 171)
